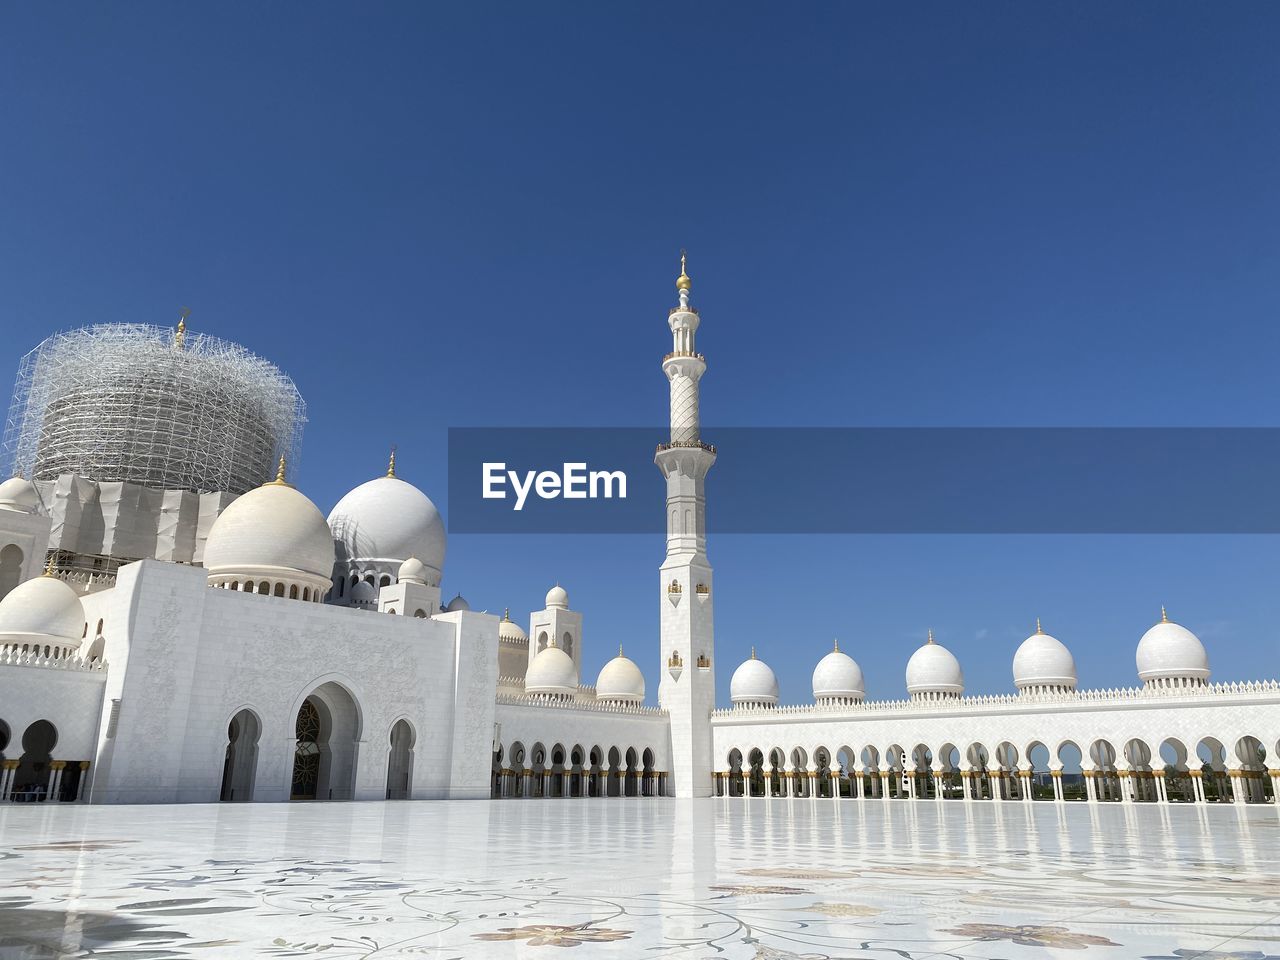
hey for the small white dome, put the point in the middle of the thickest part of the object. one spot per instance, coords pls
(44, 609)
(1169, 651)
(934, 669)
(557, 596)
(388, 519)
(552, 672)
(413, 570)
(510, 630)
(838, 676)
(364, 593)
(19, 495)
(1043, 661)
(753, 682)
(620, 680)
(456, 604)
(271, 529)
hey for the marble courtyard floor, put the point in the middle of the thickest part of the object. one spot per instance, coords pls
(641, 878)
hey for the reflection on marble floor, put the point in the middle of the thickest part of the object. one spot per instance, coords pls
(640, 878)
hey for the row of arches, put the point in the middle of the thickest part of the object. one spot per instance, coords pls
(30, 771)
(327, 731)
(1210, 770)
(273, 588)
(576, 771)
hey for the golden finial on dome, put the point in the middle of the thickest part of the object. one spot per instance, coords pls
(1164, 617)
(753, 652)
(930, 640)
(836, 643)
(683, 282)
(506, 614)
(280, 480)
(391, 463)
(619, 649)
(49, 569)
(1038, 630)
(180, 336)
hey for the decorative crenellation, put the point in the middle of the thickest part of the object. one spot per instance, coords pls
(1186, 692)
(13, 657)
(569, 703)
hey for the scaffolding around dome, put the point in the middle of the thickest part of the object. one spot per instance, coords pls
(154, 406)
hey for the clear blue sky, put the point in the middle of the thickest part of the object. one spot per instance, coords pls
(431, 215)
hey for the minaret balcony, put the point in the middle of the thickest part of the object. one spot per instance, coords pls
(686, 444)
(674, 310)
(683, 353)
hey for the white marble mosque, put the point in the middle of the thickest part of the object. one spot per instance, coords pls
(172, 633)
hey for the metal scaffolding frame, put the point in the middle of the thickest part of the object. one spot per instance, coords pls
(148, 405)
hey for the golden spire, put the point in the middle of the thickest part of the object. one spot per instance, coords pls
(1038, 630)
(753, 651)
(619, 649)
(180, 336)
(1164, 617)
(49, 569)
(280, 480)
(837, 644)
(683, 282)
(930, 640)
(391, 464)
(506, 614)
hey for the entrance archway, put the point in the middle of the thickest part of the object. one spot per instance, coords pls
(327, 733)
(240, 763)
(31, 779)
(400, 761)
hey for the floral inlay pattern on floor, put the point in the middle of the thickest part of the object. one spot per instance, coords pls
(655, 878)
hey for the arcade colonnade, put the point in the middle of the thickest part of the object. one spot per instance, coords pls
(1230, 769)
(31, 769)
(521, 771)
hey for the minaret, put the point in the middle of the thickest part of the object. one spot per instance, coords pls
(687, 690)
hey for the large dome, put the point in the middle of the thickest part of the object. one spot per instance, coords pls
(19, 495)
(838, 677)
(389, 520)
(934, 670)
(1043, 661)
(271, 530)
(620, 680)
(552, 673)
(754, 683)
(43, 610)
(1169, 651)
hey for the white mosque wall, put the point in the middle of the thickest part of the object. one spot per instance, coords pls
(1220, 715)
(186, 659)
(66, 692)
(524, 723)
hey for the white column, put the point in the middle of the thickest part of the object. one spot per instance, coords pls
(1236, 793)
(1090, 790)
(7, 772)
(996, 779)
(55, 779)
(1056, 777)
(813, 787)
